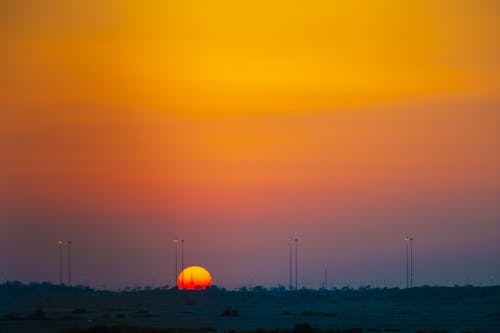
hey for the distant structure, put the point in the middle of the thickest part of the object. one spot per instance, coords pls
(182, 260)
(60, 244)
(409, 261)
(296, 264)
(176, 256)
(291, 285)
(69, 263)
(290, 239)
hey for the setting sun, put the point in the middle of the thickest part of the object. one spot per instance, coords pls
(194, 278)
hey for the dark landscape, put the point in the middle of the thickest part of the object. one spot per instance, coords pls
(44, 307)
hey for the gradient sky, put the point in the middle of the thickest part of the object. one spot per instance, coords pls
(233, 125)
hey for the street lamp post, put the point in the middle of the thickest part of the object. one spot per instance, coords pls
(296, 264)
(60, 245)
(409, 261)
(176, 245)
(290, 257)
(69, 263)
(182, 261)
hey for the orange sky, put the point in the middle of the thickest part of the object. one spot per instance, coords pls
(208, 111)
(223, 57)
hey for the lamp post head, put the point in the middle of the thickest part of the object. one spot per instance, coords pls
(408, 238)
(176, 241)
(60, 242)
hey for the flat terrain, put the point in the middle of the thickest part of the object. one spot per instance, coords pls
(47, 308)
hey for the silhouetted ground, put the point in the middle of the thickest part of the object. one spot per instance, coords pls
(50, 308)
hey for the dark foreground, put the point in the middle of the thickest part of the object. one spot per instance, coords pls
(48, 308)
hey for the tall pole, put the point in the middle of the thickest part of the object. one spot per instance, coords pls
(407, 268)
(296, 266)
(60, 245)
(69, 263)
(290, 252)
(176, 245)
(411, 262)
(182, 261)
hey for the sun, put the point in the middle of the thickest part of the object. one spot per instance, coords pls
(194, 278)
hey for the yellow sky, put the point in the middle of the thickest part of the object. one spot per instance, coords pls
(247, 57)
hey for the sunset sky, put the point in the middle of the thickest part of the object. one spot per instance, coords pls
(235, 124)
